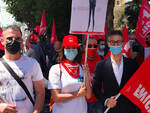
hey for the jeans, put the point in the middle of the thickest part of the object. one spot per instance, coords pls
(95, 107)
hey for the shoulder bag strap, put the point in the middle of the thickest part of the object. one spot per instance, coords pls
(16, 77)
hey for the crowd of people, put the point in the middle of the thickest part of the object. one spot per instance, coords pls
(59, 72)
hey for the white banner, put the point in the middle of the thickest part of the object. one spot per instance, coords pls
(88, 16)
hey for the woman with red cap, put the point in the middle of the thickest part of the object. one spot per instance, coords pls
(66, 80)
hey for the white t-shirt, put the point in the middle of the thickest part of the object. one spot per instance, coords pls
(67, 84)
(11, 92)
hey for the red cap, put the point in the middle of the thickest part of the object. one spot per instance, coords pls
(70, 41)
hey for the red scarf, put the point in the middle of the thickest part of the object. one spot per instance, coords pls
(71, 68)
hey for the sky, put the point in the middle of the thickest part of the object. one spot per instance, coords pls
(6, 18)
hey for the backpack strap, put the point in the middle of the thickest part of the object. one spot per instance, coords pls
(60, 66)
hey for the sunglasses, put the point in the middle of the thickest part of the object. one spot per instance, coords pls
(11, 38)
(92, 46)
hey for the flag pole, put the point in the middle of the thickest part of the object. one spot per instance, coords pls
(118, 95)
(86, 49)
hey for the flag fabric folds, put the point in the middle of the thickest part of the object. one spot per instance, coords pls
(137, 88)
(1, 46)
(1, 32)
(53, 35)
(143, 24)
(43, 23)
(126, 48)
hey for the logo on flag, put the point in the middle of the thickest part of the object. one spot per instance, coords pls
(137, 88)
(143, 24)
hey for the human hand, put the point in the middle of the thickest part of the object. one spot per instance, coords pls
(7, 108)
(82, 91)
(111, 102)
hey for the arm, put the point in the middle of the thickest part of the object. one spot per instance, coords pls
(87, 82)
(40, 95)
(7, 108)
(55, 86)
(59, 97)
(97, 83)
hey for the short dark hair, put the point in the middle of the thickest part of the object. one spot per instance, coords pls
(100, 40)
(13, 27)
(116, 32)
(89, 39)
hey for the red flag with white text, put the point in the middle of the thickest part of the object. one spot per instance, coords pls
(53, 36)
(126, 48)
(43, 23)
(143, 24)
(137, 89)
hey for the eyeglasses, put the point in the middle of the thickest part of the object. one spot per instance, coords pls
(11, 38)
(92, 46)
(118, 42)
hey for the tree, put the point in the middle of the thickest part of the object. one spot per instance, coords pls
(30, 13)
(132, 12)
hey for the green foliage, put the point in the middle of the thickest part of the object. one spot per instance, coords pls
(18, 24)
(132, 12)
(30, 12)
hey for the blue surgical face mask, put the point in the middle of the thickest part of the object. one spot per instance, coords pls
(101, 53)
(116, 49)
(132, 41)
(70, 53)
(102, 47)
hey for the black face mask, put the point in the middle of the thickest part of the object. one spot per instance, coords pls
(13, 46)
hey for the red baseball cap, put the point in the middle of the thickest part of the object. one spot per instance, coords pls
(70, 41)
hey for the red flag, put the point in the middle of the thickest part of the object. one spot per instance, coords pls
(1, 32)
(137, 88)
(34, 37)
(1, 46)
(43, 23)
(37, 28)
(126, 48)
(53, 36)
(107, 55)
(143, 24)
